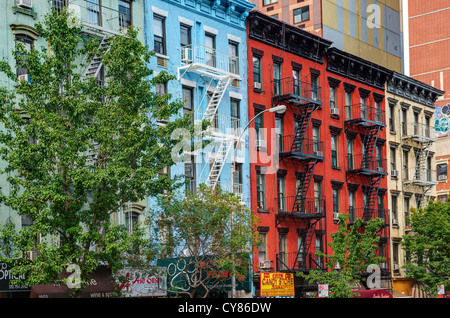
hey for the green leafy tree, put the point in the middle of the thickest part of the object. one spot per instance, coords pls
(77, 148)
(214, 235)
(354, 249)
(427, 246)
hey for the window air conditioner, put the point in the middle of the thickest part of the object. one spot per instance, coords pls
(394, 173)
(380, 169)
(25, 3)
(394, 222)
(318, 153)
(396, 267)
(264, 264)
(257, 85)
(334, 111)
(185, 55)
(23, 77)
(442, 177)
(261, 143)
(336, 216)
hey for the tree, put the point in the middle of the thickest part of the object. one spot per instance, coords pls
(77, 148)
(211, 233)
(354, 249)
(427, 246)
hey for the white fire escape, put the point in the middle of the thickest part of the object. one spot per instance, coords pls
(220, 69)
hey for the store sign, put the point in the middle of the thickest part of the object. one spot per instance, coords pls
(140, 284)
(277, 285)
(6, 279)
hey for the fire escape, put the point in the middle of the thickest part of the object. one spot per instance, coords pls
(220, 69)
(304, 99)
(371, 167)
(422, 137)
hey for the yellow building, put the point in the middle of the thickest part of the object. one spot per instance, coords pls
(370, 29)
(411, 161)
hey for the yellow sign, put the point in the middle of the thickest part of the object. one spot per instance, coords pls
(277, 285)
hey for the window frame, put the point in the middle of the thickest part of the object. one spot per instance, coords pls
(301, 15)
(160, 39)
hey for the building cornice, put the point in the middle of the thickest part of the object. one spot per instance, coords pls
(412, 89)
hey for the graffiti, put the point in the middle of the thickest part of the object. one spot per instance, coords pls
(442, 121)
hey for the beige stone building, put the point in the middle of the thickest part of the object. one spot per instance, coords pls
(411, 160)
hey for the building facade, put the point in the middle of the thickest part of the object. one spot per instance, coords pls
(371, 30)
(323, 156)
(412, 160)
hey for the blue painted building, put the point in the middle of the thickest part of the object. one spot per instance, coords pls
(204, 44)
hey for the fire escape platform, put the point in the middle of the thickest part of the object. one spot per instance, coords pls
(295, 100)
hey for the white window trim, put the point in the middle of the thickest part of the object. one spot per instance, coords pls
(185, 21)
(160, 12)
(233, 38)
(211, 30)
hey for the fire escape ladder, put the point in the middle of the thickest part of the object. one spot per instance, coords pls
(216, 98)
(371, 197)
(302, 190)
(369, 142)
(219, 159)
(303, 122)
(95, 64)
(306, 243)
(421, 161)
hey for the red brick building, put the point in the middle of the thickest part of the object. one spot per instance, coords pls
(323, 156)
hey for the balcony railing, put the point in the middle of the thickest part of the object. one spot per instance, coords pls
(365, 113)
(298, 261)
(309, 207)
(96, 17)
(367, 214)
(375, 165)
(222, 124)
(294, 88)
(419, 176)
(418, 131)
(310, 147)
(208, 57)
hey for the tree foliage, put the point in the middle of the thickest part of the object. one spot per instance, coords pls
(427, 246)
(210, 229)
(77, 149)
(354, 248)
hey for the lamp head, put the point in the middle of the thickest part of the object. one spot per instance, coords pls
(279, 109)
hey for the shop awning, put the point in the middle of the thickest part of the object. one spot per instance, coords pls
(100, 286)
(373, 293)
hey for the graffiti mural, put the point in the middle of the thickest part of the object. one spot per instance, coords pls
(442, 123)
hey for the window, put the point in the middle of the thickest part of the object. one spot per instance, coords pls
(259, 130)
(351, 206)
(348, 105)
(93, 8)
(185, 35)
(334, 151)
(281, 190)
(332, 97)
(233, 52)
(131, 219)
(189, 173)
(237, 179)
(124, 14)
(427, 127)
(27, 43)
(393, 159)
(159, 34)
(395, 251)
(391, 119)
(363, 101)
(301, 14)
(210, 49)
(416, 123)
(235, 115)
(381, 208)
(262, 248)
(404, 123)
(316, 138)
(406, 210)
(260, 191)
(257, 78)
(58, 5)
(296, 82)
(319, 248)
(335, 200)
(350, 154)
(405, 165)
(441, 171)
(282, 249)
(318, 196)
(188, 100)
(267, 2)
(301, 249)
(377, 111)
(279, 133)
(277, 89)
(314, 87)
(379, 154)
(394, 207)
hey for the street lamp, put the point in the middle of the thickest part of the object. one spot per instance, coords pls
(279, 110)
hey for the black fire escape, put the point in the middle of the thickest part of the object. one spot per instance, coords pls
(303, 98)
